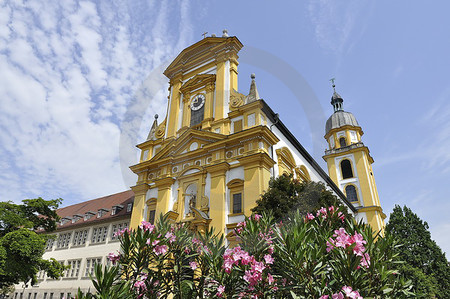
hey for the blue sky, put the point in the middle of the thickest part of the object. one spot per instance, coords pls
(80, 82)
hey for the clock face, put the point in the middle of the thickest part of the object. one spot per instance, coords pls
(198, 102)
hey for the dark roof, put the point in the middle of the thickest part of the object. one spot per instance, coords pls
(94, 205)
(284, 130)
(339, 119)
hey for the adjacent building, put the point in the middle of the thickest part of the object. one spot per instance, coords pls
(84, 237)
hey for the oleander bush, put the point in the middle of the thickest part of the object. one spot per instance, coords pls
(323, 255)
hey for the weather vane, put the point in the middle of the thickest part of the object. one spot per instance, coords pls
(204, 34)
(332, 82)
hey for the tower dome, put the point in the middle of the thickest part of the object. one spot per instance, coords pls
(339, 119)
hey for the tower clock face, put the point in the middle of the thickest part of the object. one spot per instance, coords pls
(198, 102)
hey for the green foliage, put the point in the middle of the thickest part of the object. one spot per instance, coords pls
(300, 258)
(21, 248)
(420, 252)
(286, 194)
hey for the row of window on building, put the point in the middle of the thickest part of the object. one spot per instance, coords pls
(75, 267)
(79, 237)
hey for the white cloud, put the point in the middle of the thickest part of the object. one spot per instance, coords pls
(334, 23)
(69, 73)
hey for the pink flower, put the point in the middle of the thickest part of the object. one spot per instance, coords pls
(147, 226)
(220, 291)
(309, 216)
(347, 290)
(257, 217)
(330, 245)
(365, 260)
(337, 296)
(331, 209)
(324, 297)
(160, 249)
(187, 250)
(140, 285)
(154, 242)
(242, 224)
(270, 278)
(268, 258)
(270, 250)
(322, 211)
(171, 237)
(193, 265)
(113, 257)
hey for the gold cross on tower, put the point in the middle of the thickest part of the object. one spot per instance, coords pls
(204, 34)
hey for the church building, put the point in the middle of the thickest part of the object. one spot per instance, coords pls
(206, 164)
(213, 155)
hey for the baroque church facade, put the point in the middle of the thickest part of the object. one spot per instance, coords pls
(206, 164)
(213, 155)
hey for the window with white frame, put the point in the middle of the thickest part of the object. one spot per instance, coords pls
(74, 269)
(50, 242)
(63, 240)
(90, 265)
(117, 228)
(80, 237)
(99, 234)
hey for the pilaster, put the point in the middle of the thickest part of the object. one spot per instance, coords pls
(137, 215)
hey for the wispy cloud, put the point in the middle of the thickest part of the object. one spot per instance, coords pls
(334, 23)
(69, 72)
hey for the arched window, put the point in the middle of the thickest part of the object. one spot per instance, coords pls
(350, 191)
(346, 169)
(342, 142)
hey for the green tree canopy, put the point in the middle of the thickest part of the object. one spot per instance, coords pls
(286, 194)
(21, 248)
(420, 252)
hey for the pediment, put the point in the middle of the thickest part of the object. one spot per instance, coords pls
(189, 141)
(201, 51)
(198, 81)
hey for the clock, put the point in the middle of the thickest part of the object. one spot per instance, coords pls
(198, 102)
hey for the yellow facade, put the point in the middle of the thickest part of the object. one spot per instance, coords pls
(213, 155)
(193, 171)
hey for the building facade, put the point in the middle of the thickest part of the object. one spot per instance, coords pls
(84, 237)
(206, 164)
(214, 153)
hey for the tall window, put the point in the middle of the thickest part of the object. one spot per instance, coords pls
(350, 190)
(99, 234)
(237, 203)
(90, 265)
(63, 240)
(342, 142)
(151, 216)
(346, 168)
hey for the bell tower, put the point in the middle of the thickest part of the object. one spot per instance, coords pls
(201, 79)
(350, 164)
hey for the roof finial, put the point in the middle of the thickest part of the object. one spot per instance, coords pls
(333, 85)
(152, 133)
(336, 99)
(225, 33)
(204, 34)
(253, 95)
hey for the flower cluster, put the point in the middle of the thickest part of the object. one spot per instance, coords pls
(344, 240)
(324, 213)
(113, 257)
(254, 272)
(348, 293)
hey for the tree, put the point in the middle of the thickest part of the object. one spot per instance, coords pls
(21, 248)
(420, 252)
(286, 194)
